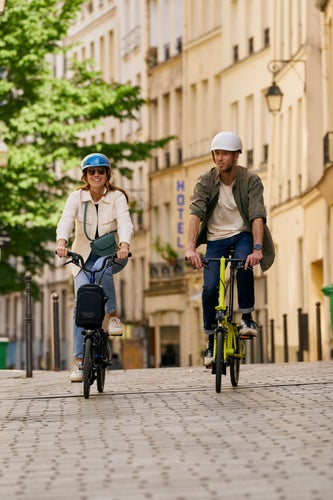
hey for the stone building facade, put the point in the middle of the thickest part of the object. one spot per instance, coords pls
(206, 66)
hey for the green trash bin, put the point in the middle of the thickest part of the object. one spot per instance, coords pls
(328, 291)
(3, 353)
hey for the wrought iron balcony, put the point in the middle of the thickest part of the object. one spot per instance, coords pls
(164, 271)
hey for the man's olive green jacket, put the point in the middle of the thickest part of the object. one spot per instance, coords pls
(248, 192)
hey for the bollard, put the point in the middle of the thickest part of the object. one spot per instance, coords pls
(272, 341)
(300, 336)
(319, 349)
(285, 339)
(261, 344)
(252, 356)
(56, 340)
(28, 326)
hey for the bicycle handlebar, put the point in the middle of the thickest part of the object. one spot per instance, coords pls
(217, 259)
(205, 261)
(77, 260)
(239, 263)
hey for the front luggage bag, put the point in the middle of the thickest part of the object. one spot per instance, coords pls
(90, 306)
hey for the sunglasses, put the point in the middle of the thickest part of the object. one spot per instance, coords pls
(93, 171)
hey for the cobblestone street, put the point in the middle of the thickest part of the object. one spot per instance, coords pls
(166, 434)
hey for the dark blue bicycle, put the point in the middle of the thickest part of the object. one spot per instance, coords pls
(90, 312)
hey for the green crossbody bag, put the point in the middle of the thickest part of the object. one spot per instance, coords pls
(104, 245)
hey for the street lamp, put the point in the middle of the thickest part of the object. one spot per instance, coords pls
(274, 98)
(274, 94)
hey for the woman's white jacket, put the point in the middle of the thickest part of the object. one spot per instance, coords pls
(113, 214)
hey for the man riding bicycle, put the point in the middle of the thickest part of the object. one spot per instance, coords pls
(227, 210)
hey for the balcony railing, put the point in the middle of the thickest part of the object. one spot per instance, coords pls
(163, 271)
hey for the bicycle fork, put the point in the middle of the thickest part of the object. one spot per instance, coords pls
(231, 348)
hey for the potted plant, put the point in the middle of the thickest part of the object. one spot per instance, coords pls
(166, 251)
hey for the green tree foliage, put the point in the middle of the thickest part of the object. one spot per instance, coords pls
(41, 119)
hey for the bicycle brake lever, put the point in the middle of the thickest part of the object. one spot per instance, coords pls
(74, 260)
(68, 262)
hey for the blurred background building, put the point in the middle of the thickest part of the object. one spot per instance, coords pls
(262, 68)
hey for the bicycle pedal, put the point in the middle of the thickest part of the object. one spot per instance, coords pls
(244, 336)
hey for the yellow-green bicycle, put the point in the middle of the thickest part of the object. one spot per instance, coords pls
(229, 347)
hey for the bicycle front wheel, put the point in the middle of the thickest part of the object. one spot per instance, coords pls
(219, 361)
(87, 367)
(100, 378)
(234, 371)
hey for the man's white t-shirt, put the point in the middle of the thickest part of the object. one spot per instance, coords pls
(225, 221)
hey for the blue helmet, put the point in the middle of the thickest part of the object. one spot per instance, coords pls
(95, 160)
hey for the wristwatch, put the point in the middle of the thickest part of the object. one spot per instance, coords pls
(257, 247)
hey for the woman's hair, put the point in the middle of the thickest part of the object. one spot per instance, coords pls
(108, 185)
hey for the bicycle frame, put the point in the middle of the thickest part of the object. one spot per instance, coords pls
(96, 348)
(228, 347)
(224, 314)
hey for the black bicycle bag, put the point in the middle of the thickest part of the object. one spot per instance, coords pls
(90, 306)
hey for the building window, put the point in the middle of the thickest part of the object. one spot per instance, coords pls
(179, 155)
(167, 159)
(265, 153)
(251, 45)
(328, 148)
(151, 58)
(249, 156)
(235, 51)
(179, 45)
(166, 51)
(140, 219)
(266, 38)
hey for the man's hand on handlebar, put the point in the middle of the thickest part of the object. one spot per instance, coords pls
(253, 259)
(194, 258)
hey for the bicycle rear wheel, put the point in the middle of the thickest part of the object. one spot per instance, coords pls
(219, 361)
(100, 378)
(87, 367)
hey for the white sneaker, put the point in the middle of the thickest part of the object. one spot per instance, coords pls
(115, 326)
(208, 356)
(248, 328)
(76, 372)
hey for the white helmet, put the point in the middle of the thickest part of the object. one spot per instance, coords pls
(228, 141)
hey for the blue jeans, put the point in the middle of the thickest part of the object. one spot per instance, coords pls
(243, 245)
(104, 278)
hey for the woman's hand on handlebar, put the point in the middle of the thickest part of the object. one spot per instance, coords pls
(123, 251)
(194, 258)
(61, 251)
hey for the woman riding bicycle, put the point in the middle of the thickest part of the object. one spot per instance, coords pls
(95, 208)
